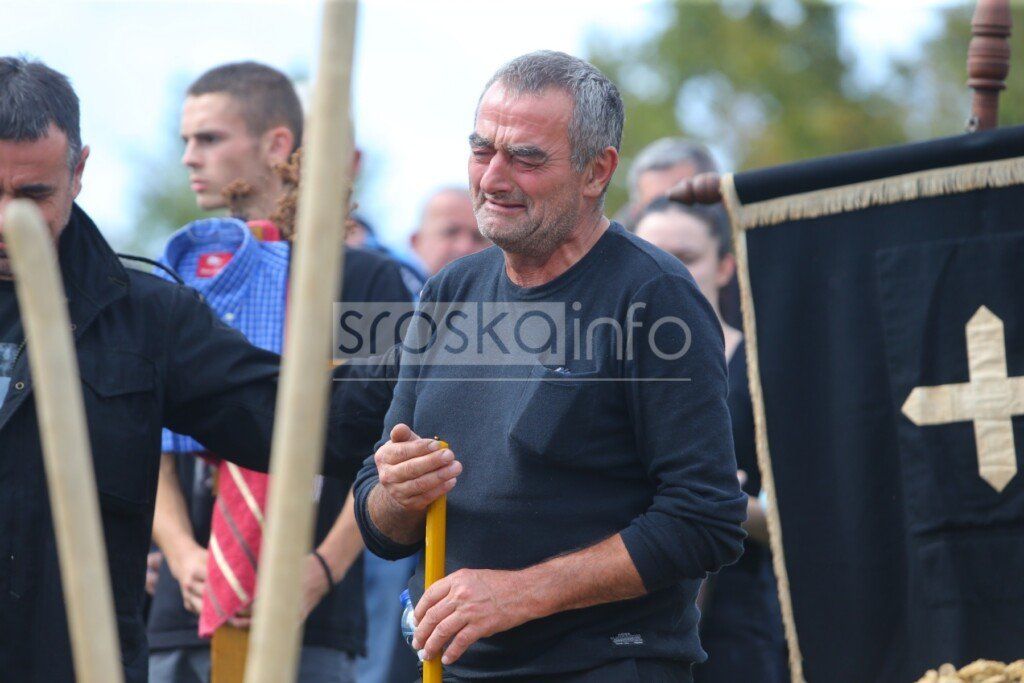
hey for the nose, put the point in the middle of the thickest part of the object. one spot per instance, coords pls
(190, 157)
(496, 179)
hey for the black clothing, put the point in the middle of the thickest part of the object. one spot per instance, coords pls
(339, 621)
(558, 459)
(899, 553)
(150, 354)
(619, 671)
(10, 334)
(741, 624)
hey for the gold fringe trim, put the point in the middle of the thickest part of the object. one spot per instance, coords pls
(764, 461)
(892, 190)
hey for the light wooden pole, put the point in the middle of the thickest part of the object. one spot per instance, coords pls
(70, 477)
(434, 544)
(298, 440)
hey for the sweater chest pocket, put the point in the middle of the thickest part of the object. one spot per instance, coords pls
(122, 411)
(557, 417)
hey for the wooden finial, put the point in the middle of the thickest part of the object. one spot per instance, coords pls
(701, 189)
(988, 61)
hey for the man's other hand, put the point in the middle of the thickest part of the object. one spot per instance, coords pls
(189, 568)
(466, 606)
(415, 472)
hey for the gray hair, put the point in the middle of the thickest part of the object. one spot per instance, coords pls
(33, 96)
(597, 112)
(666, 153)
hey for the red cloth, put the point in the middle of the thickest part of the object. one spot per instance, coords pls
(236, 535)
(236, 530)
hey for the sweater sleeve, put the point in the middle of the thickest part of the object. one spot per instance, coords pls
(677, 400)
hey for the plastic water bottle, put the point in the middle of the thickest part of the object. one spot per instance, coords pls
(408, 617)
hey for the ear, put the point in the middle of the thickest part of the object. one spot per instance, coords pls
(414, 239)
(726, 269)
(76, 175)
(277, 145)
(599, 172)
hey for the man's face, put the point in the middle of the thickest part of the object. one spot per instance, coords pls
(689, 239)
(219, 149)
(448, 231)
(651, 185)
(526, 195)
(38, 171)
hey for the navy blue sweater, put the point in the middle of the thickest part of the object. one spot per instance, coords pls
(622, 435)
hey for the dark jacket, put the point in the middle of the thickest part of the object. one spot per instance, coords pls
(151, 355)
(339, 620)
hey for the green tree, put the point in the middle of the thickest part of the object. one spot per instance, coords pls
(164, 204)
(763, 83)
(933, 88)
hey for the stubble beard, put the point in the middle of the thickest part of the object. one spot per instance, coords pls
(529, 236)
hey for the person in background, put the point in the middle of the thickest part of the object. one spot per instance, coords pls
(447, 230)
(741, 626)
(241, 123)
(659, 167)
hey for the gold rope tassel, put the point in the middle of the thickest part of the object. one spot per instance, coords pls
(764, 462)
(892, 190)
(981, 671)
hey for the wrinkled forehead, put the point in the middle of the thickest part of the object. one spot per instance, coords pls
(504, 112)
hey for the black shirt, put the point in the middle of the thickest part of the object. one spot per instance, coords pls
(339, 621)
(10, 334)
(560, 455)
(742, 602)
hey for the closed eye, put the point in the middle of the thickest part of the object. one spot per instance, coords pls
(35, 192)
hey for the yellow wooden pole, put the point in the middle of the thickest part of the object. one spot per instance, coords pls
(302, 400)
(433, 565)
(70, 477)
(228, 649)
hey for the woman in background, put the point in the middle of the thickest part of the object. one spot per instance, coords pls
(741, 626)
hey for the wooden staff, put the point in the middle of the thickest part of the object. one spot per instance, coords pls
(434, 544)
(298, 441)
(66, 455)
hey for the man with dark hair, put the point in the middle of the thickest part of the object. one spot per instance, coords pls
(151, 354)
(595, 484)
(239, 122)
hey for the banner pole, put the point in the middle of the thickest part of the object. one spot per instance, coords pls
(70, 477)
(299, 430)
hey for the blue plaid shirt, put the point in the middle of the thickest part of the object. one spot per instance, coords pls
(248, 293)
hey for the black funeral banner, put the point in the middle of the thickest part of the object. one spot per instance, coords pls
(888, 293)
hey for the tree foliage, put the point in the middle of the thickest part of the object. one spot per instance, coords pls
(765, 83)
(933, 87)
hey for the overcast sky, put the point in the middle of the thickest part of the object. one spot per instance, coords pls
(419, 68)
